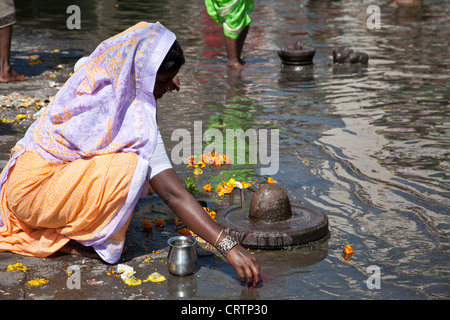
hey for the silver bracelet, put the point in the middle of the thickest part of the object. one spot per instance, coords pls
(226, 245)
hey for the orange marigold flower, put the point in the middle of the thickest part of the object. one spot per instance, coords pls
(348, 249)
(207, 188)
(212, 214)
(160, 223)
(226, 159)
(270, 180)
(200, 165)
(245, 185)
(185, 232)
(147, 225)
(226, 187)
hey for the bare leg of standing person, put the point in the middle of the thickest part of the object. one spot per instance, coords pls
(240, 43)
(234, 50)
(7, 74)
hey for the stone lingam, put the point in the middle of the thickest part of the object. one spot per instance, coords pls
(265, 218)
(298, 55)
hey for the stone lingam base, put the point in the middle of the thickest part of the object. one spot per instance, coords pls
(298, 55)
(265, 218)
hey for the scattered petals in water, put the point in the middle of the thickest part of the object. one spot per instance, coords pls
(348, 249)
(348, 252)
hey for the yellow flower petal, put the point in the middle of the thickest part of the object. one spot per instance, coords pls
(37, 282)
(17, 266)
(132, 281)
(155, 277)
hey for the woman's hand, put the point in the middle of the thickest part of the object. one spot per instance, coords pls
(245, 264)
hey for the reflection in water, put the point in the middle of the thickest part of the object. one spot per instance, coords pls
(368, 145)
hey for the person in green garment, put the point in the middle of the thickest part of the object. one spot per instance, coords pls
(235, 17)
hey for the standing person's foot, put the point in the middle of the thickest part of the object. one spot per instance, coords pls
(11, 76)
(235, 64)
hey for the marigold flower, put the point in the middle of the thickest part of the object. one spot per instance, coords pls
(207, 188)
(226, 187)
(200, 165)
(147, 225)
(212, 214)
(185, 232)
(245, 185)
(160, 223)
(226, 159)
(132, 281)
(155, 277)
(270, 180)
(37, 282)
(17, 266)
(348, 249)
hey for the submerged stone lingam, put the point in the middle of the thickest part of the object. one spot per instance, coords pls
(346, 55)
(265, 218)
(298, 55)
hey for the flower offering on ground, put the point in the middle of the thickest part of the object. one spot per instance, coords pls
(37, 282)
(147, 225)
(160, 223)
(207, 188)
(155, 277)
(17, 266)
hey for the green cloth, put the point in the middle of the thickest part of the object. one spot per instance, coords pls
(234, 15)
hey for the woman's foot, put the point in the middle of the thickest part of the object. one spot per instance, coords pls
(75, 248)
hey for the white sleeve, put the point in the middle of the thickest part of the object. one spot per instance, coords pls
(159, 160)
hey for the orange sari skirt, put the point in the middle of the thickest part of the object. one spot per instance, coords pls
(44, 205)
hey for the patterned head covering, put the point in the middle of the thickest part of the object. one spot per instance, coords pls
(107, 105)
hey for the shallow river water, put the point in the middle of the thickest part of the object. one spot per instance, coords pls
(368, 145)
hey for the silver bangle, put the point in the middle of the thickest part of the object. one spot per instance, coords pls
(226, 245)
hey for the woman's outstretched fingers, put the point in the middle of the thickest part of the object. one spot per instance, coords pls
(245, 264)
